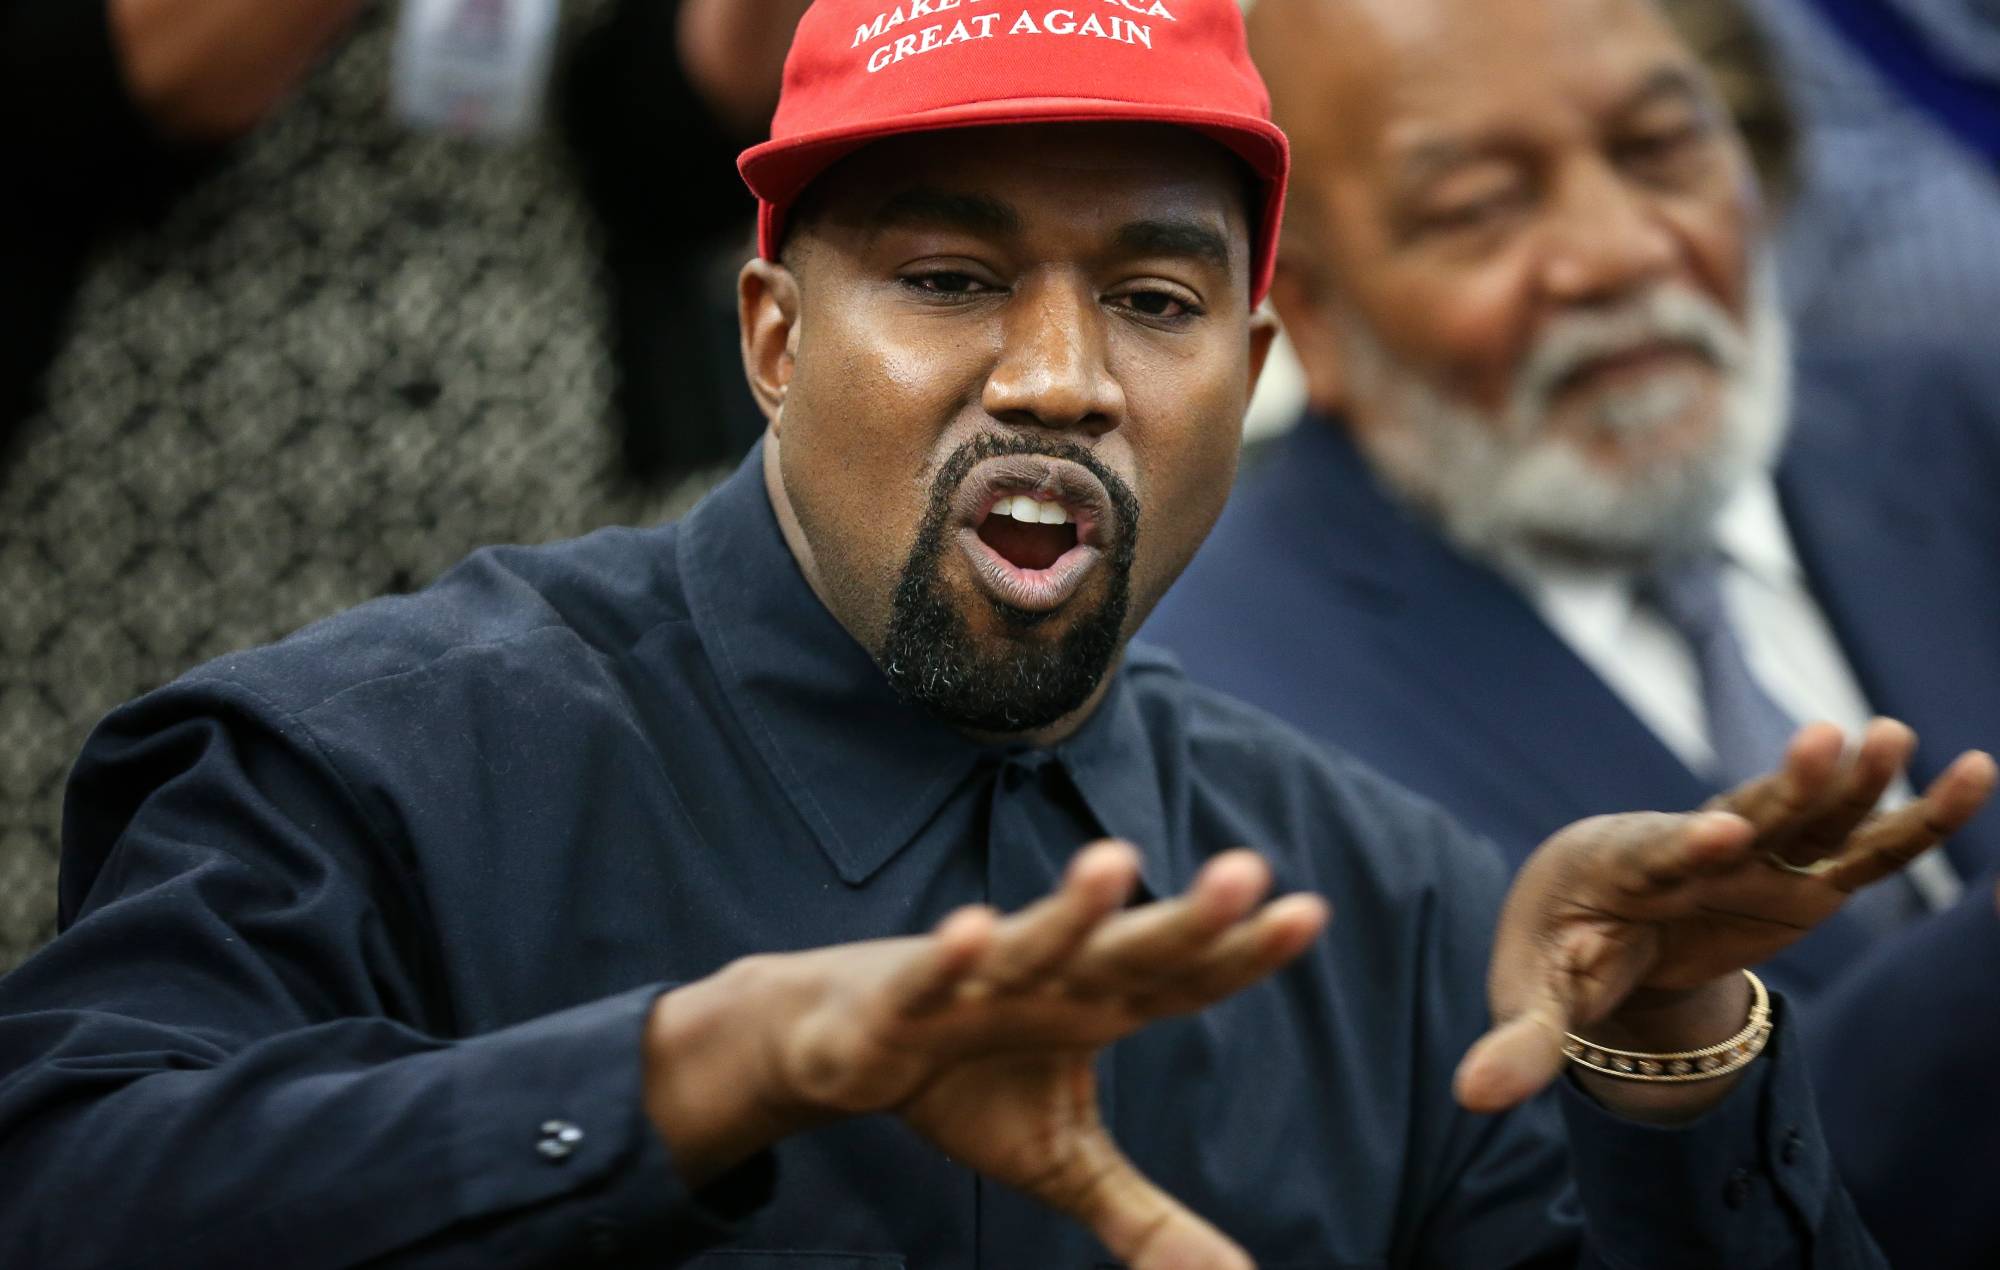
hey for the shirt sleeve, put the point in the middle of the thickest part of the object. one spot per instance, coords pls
(1561, 1181)
(1914, 1023)
(1749, 1184)
(237, 1053)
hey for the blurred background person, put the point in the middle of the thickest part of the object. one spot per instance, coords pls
(1557, 536)
(271, 351)
(1894, 237)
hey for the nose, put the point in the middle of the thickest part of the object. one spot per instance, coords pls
(1607, 240)
(1053, 370)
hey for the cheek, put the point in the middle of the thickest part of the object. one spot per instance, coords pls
(1459, 325)
(1185, 450)
(1718, 241)
(864, 421)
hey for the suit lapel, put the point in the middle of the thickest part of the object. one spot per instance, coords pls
(1473, 652)
(1910, 600)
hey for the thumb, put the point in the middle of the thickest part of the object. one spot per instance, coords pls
(1144, 1227)
(1513, 1062)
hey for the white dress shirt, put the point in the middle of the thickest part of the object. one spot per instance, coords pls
(1786, 638)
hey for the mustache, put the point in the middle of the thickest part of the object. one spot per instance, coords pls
(1666, 315)
(958, 465)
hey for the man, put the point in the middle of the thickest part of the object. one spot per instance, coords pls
(1526, 555)
(461, 929)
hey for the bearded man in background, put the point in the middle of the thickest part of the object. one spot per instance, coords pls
(1560, 533)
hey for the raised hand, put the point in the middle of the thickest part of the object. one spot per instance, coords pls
(982, 1035)
(1629, 929)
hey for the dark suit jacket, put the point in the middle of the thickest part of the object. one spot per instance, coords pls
(1321, 600)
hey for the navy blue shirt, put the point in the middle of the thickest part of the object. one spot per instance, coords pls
(361, 931)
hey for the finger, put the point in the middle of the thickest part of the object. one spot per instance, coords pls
(1510, 1064)
(1030, 944)
(1161, 940)
(1245, 954)
(1143, 1227)
(1894, 840)
(1885, 749)
(1811, 762)
(1518, 1057)
(931, 977)
(1648, 854)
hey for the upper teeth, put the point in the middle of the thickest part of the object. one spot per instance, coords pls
(1031, 512)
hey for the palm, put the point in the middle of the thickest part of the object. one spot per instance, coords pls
(1621, 912)
(1670, 931)
(1029, 1121)
(982, 1035)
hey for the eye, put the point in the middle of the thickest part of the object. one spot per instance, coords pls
(1662, 152)
(1158, 304)
(1473, 215)
(946, 284)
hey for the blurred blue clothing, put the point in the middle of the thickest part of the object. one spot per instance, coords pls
(1894, 236)
(361, 931)
(1323, 600)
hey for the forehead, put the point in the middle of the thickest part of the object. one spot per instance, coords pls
(1403, 72)
(1049, 175)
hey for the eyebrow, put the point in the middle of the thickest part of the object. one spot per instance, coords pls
(1664, 83)
(1174, 238)
(946, 209)
(1434, 158)
(1431, 159)
(925, 206)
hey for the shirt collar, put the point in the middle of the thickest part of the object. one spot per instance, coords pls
(1750, 532)
(1596, 603)
(864, 770)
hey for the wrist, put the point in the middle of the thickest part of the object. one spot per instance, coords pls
(1683, 1019)
(1661, 1022)
(709, 1081)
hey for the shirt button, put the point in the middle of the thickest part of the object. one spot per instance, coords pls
(1737, 1191)
(558, 1140)
(1794, 1147)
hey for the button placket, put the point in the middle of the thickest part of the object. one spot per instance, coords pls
(1792, 1149)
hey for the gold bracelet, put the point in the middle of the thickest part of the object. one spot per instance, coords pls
(1708, 1063)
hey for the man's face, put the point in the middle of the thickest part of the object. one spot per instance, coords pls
(1525, 236)
(1010, 349)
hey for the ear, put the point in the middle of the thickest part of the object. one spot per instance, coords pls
(767, 314)
(1305, 302)
(1263, 332)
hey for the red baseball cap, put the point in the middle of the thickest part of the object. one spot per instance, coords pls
(861, 70)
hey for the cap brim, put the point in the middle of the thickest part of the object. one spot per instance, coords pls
(778, 171)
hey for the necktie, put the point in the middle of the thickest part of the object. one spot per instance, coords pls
(1747, 728)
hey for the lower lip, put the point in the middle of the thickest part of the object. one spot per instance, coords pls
(1636, 364)
(1031, 590)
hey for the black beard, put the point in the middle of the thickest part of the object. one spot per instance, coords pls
(929, 653)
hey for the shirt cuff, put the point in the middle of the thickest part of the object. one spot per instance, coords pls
(553, 1129)
(1747, 1184)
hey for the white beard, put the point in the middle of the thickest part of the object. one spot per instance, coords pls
(1505, 488)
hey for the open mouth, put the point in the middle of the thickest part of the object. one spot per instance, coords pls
(1033, 528)
(1029, 532)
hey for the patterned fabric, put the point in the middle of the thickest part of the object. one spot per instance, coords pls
(345, 359)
